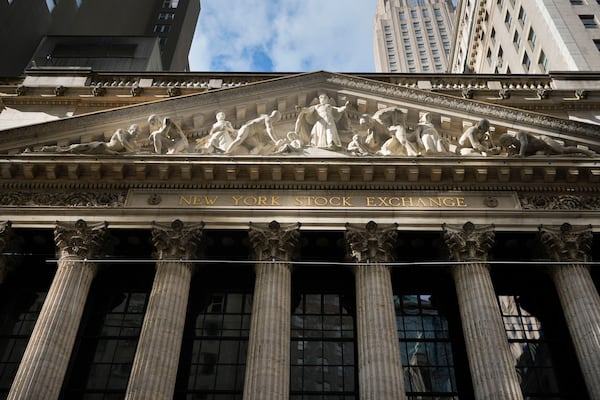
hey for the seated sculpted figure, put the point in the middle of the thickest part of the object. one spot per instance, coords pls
(357, 147)
(257, 135)
(167, 136)
(122, 141)
(317, 125)
(525, 144)
(429, 137)
(476, 140)
(219, 138)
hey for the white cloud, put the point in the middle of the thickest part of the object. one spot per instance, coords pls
(284, 35)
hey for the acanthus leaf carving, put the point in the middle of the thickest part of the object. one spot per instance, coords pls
(274, 242)
(176, 241)
(371, 243)
(468, 242)
(80, 239)
(567, 243)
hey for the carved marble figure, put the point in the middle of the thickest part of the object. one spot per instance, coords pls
(429, 137)
(219, 138)
(378, 126)
(167, 136)
(321, 121)
(476, 140)
(356, 146)
(122, 141)
(525, 144)
(257, 136)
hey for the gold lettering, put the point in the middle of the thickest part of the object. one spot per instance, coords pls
(460, 202)
(335, 201)
(275, 201)
(250, 201)
(346, 201)
(449, 202)
(421, 203)
(298, 202)
(210, 201)
(185, 200)
(236, 200)
(394, 201)
(320, 201)
(262, 200)
(370, 201)
(435, 202)
(383, 201)
(410, 202)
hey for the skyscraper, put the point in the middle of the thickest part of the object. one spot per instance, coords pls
(517, 36)
(104, 35)
(413, 35)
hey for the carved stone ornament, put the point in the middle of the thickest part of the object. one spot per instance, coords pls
(273, 241)
(80, 239)
(468, 242)
(21, 90)
(176, 241)
(371, 243)
(559, 202)
(60, 91)
(98, 90)
(567, 243)
(60, 199)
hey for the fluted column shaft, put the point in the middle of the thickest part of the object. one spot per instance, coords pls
(379, 363)
(491, 363)
(578, 296)
(268, 359)
(154, 370)
(581, 306)
(46, 358)
(380, 371)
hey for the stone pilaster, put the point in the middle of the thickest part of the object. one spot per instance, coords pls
(42, 369)
(380, 371)
(268, 360)
(490, 361)
(5, 237)
(154, 370)
(578, 295)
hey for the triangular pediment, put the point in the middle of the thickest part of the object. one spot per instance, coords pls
(280, 117)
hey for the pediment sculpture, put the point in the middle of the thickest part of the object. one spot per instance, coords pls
(324, 128)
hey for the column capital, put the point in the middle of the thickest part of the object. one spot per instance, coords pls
(274, 241)
(371, 243)
(176, 240)
(468, 242)
(567, 243)
(80, 239)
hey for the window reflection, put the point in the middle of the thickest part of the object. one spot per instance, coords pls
(530, 349)
(425, 348)
(322, 348)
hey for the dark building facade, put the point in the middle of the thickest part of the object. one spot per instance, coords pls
(104, 35)
(302, 236)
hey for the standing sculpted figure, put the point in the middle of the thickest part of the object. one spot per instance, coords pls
(429, 137)
(525, 144)
(321, 120)
(378, 127)
(257, 135)
(477, 140)
(167, 136)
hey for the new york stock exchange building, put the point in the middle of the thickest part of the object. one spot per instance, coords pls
(299, 236)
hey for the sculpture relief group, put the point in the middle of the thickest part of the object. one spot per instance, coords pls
(324, 126)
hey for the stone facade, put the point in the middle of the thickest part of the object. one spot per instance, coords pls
(430, 203)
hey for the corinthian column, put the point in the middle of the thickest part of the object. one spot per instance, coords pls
(578, 295)
(42, 369)
(380, 372)
(490, 360)
(268, 360)
(156, 359)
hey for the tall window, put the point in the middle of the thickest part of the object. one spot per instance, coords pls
(522, 15)
(529, 348)
(517, 39)
(532, 37)
(425, 347)
(215, 345)
(322, 347)
(170, 3)
(543, 61)
(110, 332)
(526, 61)
(508, 19)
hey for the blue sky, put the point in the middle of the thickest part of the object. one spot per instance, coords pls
(284, 36)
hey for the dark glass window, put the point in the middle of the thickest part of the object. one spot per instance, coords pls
(22, 295)
(589, 21)
(215, 345)
(109, 334)
(530, 349)
(425, 347)
(322, 348)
